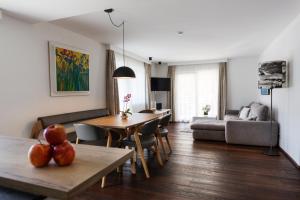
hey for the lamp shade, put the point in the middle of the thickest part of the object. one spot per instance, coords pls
(123, 72)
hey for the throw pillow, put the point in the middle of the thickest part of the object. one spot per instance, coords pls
(259, 111)
(244, 113)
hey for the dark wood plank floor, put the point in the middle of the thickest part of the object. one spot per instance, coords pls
(205, 170)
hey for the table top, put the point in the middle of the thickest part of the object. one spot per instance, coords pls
(90, 165)
(162, 111)
(115, 121)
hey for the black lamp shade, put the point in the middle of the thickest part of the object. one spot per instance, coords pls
(123, 72)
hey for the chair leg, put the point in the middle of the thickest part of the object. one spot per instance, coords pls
(168, 142)
(132, 161)
(162, 147)
(77, 140)
(141, 153)
(158, 155)
(119, 169)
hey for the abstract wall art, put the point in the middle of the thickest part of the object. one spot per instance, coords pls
(69, 70)
(273, 74)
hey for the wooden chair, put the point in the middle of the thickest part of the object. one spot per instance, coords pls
(148, 141)
(94, 136)
(164, 122)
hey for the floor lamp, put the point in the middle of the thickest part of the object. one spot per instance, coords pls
(271, 151)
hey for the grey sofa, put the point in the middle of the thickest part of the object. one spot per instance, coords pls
(236, 131)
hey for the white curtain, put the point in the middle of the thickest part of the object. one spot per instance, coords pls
(195, 87)
(135, 86)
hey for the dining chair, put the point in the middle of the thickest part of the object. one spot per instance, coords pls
(148, 141)
(92, 135)
(164, 122)
(146, 111)
(89, 135)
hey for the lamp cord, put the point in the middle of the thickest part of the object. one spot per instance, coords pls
(123, 33)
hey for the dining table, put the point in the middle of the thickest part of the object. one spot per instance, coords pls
(90, 165)
(128, 126)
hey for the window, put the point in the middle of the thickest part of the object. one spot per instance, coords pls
(135, 86)
(195, 87)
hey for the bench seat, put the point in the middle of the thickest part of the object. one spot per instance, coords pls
(66, 119)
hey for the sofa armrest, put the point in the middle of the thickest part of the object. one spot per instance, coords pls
(251, 133)
(232, 112)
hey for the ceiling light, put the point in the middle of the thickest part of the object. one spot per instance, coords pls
(180, 32)
(123, 71)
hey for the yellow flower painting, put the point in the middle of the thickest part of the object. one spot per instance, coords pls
(72, 70)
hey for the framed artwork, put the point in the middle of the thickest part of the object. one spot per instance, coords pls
(69, 70)
(273, 74)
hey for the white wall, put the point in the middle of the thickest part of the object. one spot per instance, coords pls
(241, 81)
(24, 77)
(287, 100)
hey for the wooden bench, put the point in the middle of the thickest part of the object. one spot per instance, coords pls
(66, 119)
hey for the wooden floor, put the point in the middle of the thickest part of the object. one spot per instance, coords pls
(205, 171)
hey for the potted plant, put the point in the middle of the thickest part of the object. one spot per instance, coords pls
(206, 109)
(126, 111)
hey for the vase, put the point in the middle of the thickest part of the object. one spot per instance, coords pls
(205, 113)
(124, 115)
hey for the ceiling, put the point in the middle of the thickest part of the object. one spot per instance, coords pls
(212, 29)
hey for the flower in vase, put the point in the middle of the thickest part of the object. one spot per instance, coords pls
(126, 111)
(206, 109)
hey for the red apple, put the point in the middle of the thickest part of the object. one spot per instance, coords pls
(63, 154)
(40, 155)
(55, 134)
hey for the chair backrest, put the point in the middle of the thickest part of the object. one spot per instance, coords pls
(146, 111)
(165, 120)
(150, 128)
(88, 133)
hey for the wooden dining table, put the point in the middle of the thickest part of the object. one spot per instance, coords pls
(90, 165)
(129, 126)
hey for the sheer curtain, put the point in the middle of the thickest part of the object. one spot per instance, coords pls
(135, 86)
(195, 87)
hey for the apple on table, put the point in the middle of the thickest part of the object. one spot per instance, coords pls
(59, 148)
(40, 154)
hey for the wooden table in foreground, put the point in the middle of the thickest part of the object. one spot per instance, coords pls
(133, 122)
(90, 165)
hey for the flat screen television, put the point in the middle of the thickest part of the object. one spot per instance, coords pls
(160, 84)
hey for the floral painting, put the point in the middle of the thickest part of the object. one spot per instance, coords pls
(69, 70)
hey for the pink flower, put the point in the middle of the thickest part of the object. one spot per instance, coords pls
(129, 95)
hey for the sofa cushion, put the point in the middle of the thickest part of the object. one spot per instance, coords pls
(218, 125)
(251, 118)
(209, 135)
(244, 113)
(259, 111)
(231, 117)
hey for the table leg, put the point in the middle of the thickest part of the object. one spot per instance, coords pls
(161, 144)
(141, 152)
(108, 144)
